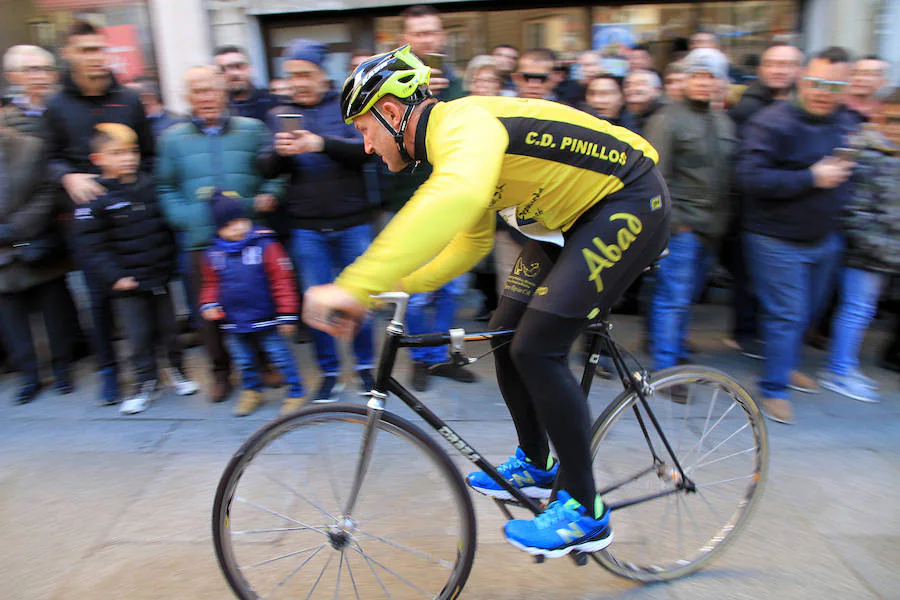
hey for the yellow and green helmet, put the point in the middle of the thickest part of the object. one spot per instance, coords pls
(399, 73)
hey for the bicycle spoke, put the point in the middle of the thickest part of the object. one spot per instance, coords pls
(319, 578)
(377, 576)
(295, 571)
(274, 530)
(392, 572)
(708, 504)
(279, 515)
(301, 496)
(705, 434)
(352, 579)
(271, 560)
(414, 552)
(725, 441)
(337, 585)
(329, 469)
(712, 462)
(724, 481)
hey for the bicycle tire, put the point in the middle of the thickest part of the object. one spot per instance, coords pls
(616, 557)
(388, 424)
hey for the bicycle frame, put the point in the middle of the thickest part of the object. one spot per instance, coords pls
(396, 338)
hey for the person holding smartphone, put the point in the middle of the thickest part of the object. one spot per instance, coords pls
(326, 204)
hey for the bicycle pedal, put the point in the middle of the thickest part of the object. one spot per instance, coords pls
(580, 558)
(539, 558)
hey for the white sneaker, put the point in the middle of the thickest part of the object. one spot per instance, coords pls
(181, 385)
(849, 386)
(140, 400)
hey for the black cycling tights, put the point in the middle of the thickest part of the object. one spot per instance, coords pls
(550, 297)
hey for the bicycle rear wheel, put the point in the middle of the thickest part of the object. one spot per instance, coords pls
(718, 436)
(280, 522)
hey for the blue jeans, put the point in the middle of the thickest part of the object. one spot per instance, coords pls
(184, 274)
(858, 304)
(320, 256)
(441, 319)
(679, 276)
(244, 347)
(793, 283)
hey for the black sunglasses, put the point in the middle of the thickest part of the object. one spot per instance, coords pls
(542, 77)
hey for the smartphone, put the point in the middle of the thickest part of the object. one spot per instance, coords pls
(848, 154)
(289, 123)
(435, 61)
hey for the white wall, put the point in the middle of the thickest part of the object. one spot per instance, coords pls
(181, 37)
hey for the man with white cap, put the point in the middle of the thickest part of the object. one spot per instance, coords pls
(696, 144)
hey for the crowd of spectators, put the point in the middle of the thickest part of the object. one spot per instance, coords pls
(783, 173)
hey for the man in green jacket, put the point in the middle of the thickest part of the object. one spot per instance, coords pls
(696, 144)
(212, 151)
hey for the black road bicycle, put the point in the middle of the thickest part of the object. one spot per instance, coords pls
(353, 501)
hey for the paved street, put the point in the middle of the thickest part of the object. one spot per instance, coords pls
(94, 505)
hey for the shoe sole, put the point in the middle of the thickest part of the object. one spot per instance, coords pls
(839, 390)
(803, 390)
(336, 392)
(536, 493)
(187, 390)
(584, 547)
(772, 417)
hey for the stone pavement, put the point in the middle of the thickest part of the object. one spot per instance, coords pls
(100, 506)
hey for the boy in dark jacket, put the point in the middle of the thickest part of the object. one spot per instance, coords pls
(871, 224)
(249, 288)
(127, 247)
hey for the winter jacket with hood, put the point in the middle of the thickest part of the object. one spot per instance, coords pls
(871, 220)
(123, 233)
(252, 281)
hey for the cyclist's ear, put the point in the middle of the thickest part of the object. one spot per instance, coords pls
(392, 110)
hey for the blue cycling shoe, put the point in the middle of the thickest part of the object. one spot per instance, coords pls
(522, 473)
(565, 526)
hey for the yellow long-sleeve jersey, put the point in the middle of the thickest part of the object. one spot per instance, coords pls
(548, 161)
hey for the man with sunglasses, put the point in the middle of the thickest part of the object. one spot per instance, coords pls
(534, 76)
(794, 185)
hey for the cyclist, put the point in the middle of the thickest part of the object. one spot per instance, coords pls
(590, 197)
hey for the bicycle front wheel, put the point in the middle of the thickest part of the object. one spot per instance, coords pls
(673, 511)
(286, 524)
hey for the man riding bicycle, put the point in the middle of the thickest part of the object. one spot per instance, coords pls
(589, 196)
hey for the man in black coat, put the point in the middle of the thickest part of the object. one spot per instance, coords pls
(244, 98)
(779, 67)
(90, 96)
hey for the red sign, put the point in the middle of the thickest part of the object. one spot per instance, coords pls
(124, 48)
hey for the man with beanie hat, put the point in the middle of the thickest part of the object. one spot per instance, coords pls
(249, 292)
(326, 198)
(696, 144)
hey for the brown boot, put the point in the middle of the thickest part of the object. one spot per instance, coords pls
(801, 383)
(292, 405)
(778, 409)
(220, 391)
(248, 403)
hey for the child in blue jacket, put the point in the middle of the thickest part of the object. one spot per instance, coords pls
(249, 288)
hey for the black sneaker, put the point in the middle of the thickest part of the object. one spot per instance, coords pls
(328, 390)
(366, 379)
(28, 391)
(453, 372)
(420, 376)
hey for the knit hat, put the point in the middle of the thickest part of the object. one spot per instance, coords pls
(309, 50)
(226, 207)
(707, 59)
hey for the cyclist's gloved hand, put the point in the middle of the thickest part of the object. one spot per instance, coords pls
(333, 310)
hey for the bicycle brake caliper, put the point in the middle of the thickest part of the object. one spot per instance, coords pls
(457, 348)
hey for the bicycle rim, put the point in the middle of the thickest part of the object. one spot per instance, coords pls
(719, 438)
(279, 525)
